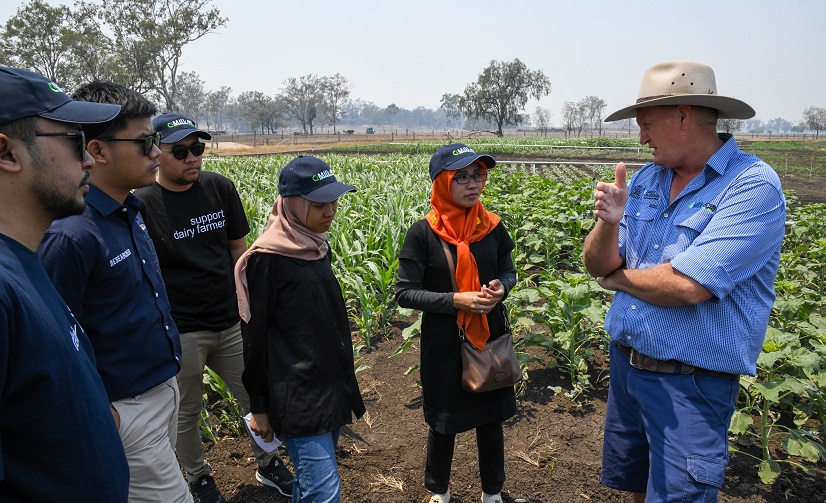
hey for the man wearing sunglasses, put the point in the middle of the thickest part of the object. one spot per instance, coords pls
(104, 264)
(198, 225)
(56, 430)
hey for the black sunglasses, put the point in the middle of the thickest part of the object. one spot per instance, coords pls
(181, 151)
(74, 135)
(148, 141)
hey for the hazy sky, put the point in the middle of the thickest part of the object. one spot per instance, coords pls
(768, 53)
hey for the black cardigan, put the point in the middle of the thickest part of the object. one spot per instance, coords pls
(298, 350)
(424, 284)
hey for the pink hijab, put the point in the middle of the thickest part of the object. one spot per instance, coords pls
(285, 234)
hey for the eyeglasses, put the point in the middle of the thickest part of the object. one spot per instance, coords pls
(181, 151)
(74, 135)
(148, 141)
(464, 178)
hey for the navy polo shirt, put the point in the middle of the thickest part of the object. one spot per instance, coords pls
(104, 265)
(57, 435)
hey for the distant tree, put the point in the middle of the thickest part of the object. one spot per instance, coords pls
(729, 125)
(450, 106)
(593, 108)
(542, 119)
(335, 91)
(572, 117)
(40, 37)
(754, 126)
(253, 107)
(780, 125)
(154, 33)
(800, 127)
(216, 104)
(273, 115)
(501, 91)
(301, 98)
(815, 118)
(192, 98)
(391, 112)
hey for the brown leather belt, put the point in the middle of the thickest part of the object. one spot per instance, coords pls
(642, 362)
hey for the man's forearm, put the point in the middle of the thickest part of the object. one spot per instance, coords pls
(601, 250)
(661, 285)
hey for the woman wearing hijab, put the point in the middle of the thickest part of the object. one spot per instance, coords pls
(481, 249)
(298, 350)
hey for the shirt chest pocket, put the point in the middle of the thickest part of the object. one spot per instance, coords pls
(641, 210)
(693, 220)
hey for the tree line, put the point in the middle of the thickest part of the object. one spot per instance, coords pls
(139, 43)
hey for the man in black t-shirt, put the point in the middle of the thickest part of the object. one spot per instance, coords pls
(197, 222)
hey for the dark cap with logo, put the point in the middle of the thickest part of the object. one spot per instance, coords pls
(175, 127)
(311, 178)
(456, 156)
(27, 94)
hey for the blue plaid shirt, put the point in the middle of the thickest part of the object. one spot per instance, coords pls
(724, 231)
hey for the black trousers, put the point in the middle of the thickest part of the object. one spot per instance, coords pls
(490, 442)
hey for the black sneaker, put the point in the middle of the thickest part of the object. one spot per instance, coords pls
(276, 475)
(204, 490)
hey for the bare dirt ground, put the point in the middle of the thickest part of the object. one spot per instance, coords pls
(553, 449)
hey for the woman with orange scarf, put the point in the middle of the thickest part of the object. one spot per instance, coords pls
(481, 249)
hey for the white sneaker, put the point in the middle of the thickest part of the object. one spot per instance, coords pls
(440, 498)
(491, 498)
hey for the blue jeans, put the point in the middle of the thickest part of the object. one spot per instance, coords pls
(316, 474)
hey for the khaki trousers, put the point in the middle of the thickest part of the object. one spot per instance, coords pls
(223, 352)
(148, 430)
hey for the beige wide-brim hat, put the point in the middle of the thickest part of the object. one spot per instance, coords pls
(683, 83)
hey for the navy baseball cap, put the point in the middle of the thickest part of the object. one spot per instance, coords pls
(456, 156)
(27, 94)
(311, 178)
(174, 127)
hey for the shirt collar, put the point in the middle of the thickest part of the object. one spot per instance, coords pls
(719, 161)
(105, 205)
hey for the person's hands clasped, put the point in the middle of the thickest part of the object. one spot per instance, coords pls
(480, 302)
(610, 198)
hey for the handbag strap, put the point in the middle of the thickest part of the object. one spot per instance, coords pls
(452, 269)
(450, 265)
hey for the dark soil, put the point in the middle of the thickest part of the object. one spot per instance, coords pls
(553, 448)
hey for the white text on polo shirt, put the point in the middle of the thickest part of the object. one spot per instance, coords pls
(122, 255)
(204, 223)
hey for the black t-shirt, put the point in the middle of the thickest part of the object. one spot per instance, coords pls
(191, 231)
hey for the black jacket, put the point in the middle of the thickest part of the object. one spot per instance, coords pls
(298, 349)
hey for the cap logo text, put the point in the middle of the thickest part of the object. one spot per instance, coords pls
(54, 87)
(463, 150)
(327, 173)
(180, 122)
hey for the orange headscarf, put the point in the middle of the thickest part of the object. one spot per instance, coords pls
(462, 226)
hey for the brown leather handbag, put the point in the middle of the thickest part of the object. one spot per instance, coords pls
(490, 368)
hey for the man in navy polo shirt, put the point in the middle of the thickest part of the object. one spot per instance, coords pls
(52, 399)
(104, 264)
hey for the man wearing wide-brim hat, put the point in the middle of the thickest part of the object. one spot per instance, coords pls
(690, 246)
